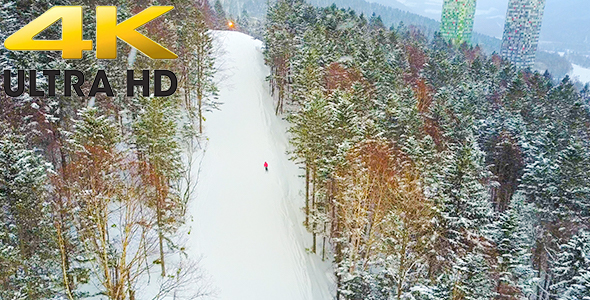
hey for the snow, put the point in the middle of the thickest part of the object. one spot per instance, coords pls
(247, 223)
(581, 73)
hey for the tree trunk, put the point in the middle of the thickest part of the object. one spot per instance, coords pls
(306, 194)
(161, 240)
(65, 264)
(313, 207)
(160, 233)
(402, 266)
(200, 104)
(324, 244)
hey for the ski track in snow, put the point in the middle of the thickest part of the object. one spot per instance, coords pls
(247, 223)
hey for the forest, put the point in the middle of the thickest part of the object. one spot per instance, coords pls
(432, 171)
(557, 65)
(94, 190)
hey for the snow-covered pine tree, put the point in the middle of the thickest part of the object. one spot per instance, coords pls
(308, 71)
(200, 79)
(572, 269)
(155, 138)
(221, 18)
(308, 133)
(514, 241)
(465, 217)
(28, 254)
(285, 19)
(556, 155)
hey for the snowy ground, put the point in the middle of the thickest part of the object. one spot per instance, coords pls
(247, 223)
(581, 73)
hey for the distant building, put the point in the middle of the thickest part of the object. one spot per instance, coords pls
(457, 20)
(521, 32)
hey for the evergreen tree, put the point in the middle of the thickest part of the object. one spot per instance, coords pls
(155, 132)
(202, 79)
(514, 243)
(96, 169)
(27, 249)
(220, 14)
(573, 269)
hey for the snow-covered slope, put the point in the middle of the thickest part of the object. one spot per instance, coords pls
(247, 223)
(580, 73)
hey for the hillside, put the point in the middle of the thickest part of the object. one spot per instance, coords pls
(391, 15)
(563, 22)
(489, 24)
(436, 172)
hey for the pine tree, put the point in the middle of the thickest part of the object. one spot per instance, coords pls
(284, 20)
(27, 250)
(514, 243)
(155, 134)
(202, 79)
(464, 206)
(220, 14)
(573, 269)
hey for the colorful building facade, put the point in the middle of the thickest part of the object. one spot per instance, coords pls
(457, 20)
(521, 31)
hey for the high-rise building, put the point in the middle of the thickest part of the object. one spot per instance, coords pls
(521, 32)
(457, 20)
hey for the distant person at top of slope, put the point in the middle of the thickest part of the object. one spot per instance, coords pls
(266, 166)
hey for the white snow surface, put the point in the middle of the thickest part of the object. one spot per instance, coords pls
(581, 73)
(248, 223)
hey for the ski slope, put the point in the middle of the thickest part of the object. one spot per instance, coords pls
(247, 223)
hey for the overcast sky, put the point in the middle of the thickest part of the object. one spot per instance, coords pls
(490, 13)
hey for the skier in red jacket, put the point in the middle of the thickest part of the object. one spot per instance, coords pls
(266, 166)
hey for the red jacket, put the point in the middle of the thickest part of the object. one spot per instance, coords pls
(265, 164)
